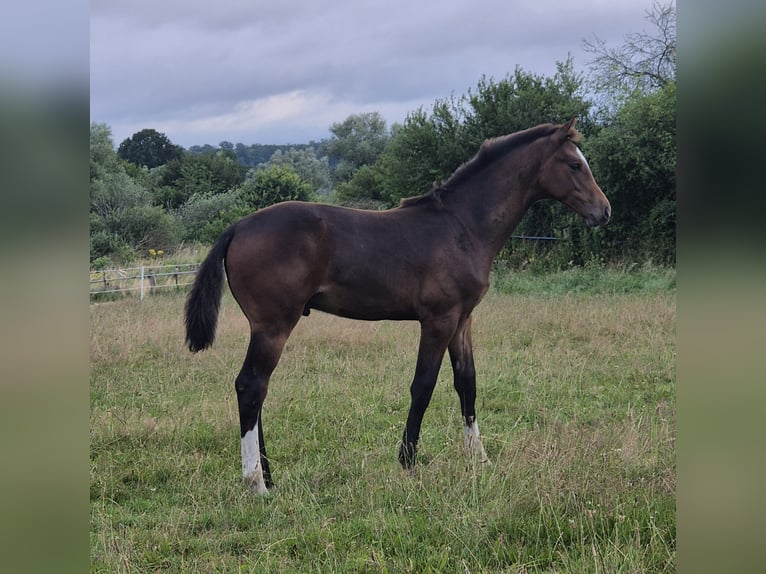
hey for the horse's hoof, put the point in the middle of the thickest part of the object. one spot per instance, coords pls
(407, 455)
(256, 485)
(259, 490)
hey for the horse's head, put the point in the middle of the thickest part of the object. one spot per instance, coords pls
(566, 177)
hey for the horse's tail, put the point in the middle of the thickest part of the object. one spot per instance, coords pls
(205, 297)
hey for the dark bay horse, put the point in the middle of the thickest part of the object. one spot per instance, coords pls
(427, 260)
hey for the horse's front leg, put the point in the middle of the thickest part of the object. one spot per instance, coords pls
(461, 357)
(434, 336)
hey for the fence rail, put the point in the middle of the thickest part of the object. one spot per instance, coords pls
(143, 280)
(147, 279)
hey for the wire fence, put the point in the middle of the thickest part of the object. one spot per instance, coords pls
(140, 282)
(111, 284)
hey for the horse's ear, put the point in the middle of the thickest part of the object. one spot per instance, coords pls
(566, 129)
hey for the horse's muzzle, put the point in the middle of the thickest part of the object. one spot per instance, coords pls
(600, 217)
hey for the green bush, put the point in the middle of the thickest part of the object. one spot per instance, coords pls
(106, 246)
(149, 226)
(203, 211)
(273, 185)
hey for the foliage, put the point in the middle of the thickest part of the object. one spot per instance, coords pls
(99, 263)
(304, 162)
(256, 154)
(634, 159)
(633, 150)
(523, 100)
(115, 192)
(190, 197)
(152, 193)
(364, 189)
(196, 175)
(357, 141)
(147, 226)
(122, 217)
(207, 216)
(103, 160)
(148, 148)
(106, 246)
(202, 215)
(425, 149)
(429, 147)
(273, 185)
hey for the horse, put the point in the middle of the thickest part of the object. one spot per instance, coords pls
(426, 260)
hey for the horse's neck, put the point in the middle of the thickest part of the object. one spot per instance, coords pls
(491, 206)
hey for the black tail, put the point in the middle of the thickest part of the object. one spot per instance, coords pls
(205, 297)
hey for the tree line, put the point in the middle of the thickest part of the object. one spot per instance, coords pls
(152, 194)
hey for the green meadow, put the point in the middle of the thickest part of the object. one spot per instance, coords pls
(576, 404)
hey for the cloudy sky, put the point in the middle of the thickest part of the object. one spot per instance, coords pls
(283, 71)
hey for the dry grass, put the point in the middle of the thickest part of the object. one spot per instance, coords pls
(576, 403)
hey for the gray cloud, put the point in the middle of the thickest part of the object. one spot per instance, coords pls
(256, 71)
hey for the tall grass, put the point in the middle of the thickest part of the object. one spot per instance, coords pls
(576, 405)
(591, 278)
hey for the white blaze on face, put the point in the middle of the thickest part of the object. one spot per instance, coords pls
(582, 157)
(252, 472)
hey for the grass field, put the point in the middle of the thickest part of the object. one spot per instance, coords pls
(576, 406)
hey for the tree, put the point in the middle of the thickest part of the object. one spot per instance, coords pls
(103, 160)
(364, 189)
(634, 161)
(357, 141)
(122, 219)
(114, 193)
(208, 173)
(427, 148)
(633, 156)
(197, 214)
(112, 190)
(264, 187)
(413, 161)
(273, 185)
(644, 62)
(105, 245)
(523, 100)
(305, 163)
(148, 227)
(148, 148)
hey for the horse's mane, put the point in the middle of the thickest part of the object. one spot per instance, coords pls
(490, 150)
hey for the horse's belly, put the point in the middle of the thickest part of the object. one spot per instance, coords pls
(361, 306)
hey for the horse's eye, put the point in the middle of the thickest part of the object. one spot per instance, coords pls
(575, 165)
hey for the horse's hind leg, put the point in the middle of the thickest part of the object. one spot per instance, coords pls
(252, 385)
(461, 356)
